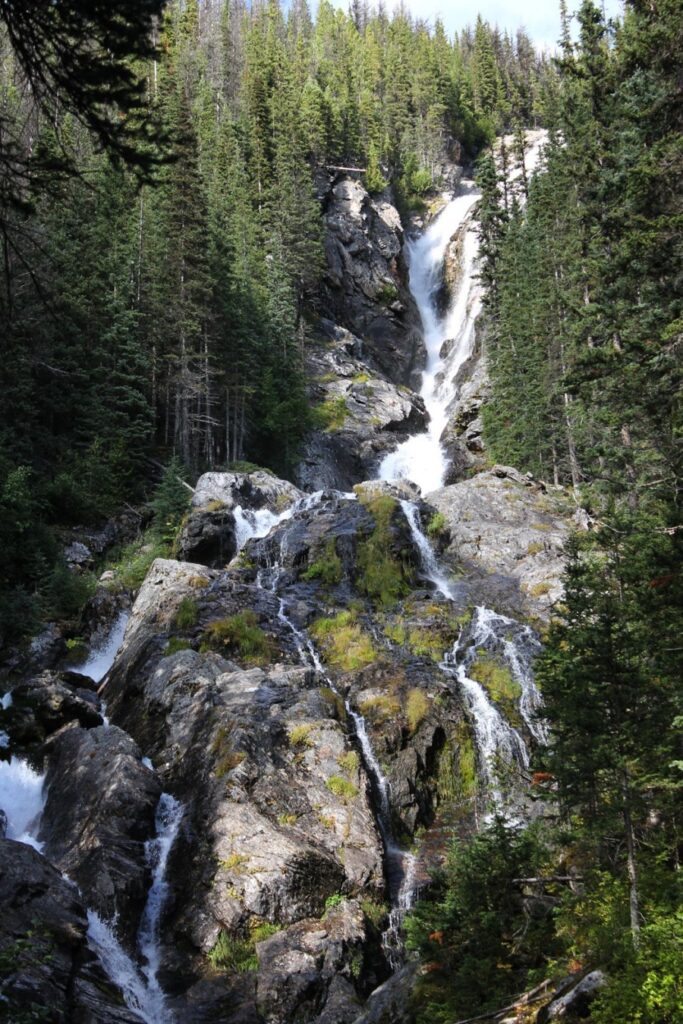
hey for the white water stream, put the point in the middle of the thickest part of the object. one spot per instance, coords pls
(421, 458)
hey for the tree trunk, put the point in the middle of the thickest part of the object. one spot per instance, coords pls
(633, 900)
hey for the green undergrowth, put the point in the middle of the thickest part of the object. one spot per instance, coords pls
(175, 644)
(238, 954)
(239, 635)
(343, 642)
(384, 577)
(134, 560)
(187, 614)
(342, 788)
(327, 566)
(417, 709)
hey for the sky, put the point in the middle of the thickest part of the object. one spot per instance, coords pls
(541, 18)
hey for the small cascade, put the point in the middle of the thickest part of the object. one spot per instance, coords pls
(141, 990)
(430, 566)
(22, 799)
(499, 744)
(518, 645)
(102, 655)
(168, 818)
(123, 971)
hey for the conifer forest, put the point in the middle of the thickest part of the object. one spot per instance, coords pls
(341, 525)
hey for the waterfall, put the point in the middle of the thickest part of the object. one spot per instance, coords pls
(22, 798)
(421, 458)
(168, 818)
(102, 655)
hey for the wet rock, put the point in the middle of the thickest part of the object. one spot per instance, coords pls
(504, 523)
(43, 940)
(99, 812)
(251, 753)
(366, 279)
(43, 704)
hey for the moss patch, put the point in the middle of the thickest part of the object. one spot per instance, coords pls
(240, 635)
(327, 567)
(381, 575)
(379, 709)
(175, 644)
(417, 709)
(343, 642)
(342, 788)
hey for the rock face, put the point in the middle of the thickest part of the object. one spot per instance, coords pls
(47, 965)
(98, 814)
(368, 414)
(504, 523)
(366, 279)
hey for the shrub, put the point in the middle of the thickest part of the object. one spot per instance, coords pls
(134, 561)
(437, 524)
(417, 709)
(240, 635)
(187, 614)
(349, 762)
(334, 900)
(233, 954)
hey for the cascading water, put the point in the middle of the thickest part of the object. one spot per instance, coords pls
(102, 655)
(22, 799)
(421, 458)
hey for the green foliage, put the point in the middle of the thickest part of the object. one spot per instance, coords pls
(187, 613)
(299, 735)
(170, 502)
(474, 930)
(437, 525)
(330, 415)
(134, 561)
(175, 644)
(382, 575)
(343, 642)
(342, 788)
(349, 762)
(334, 901)
(234, 954)
(239, 635)
(327, 567)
